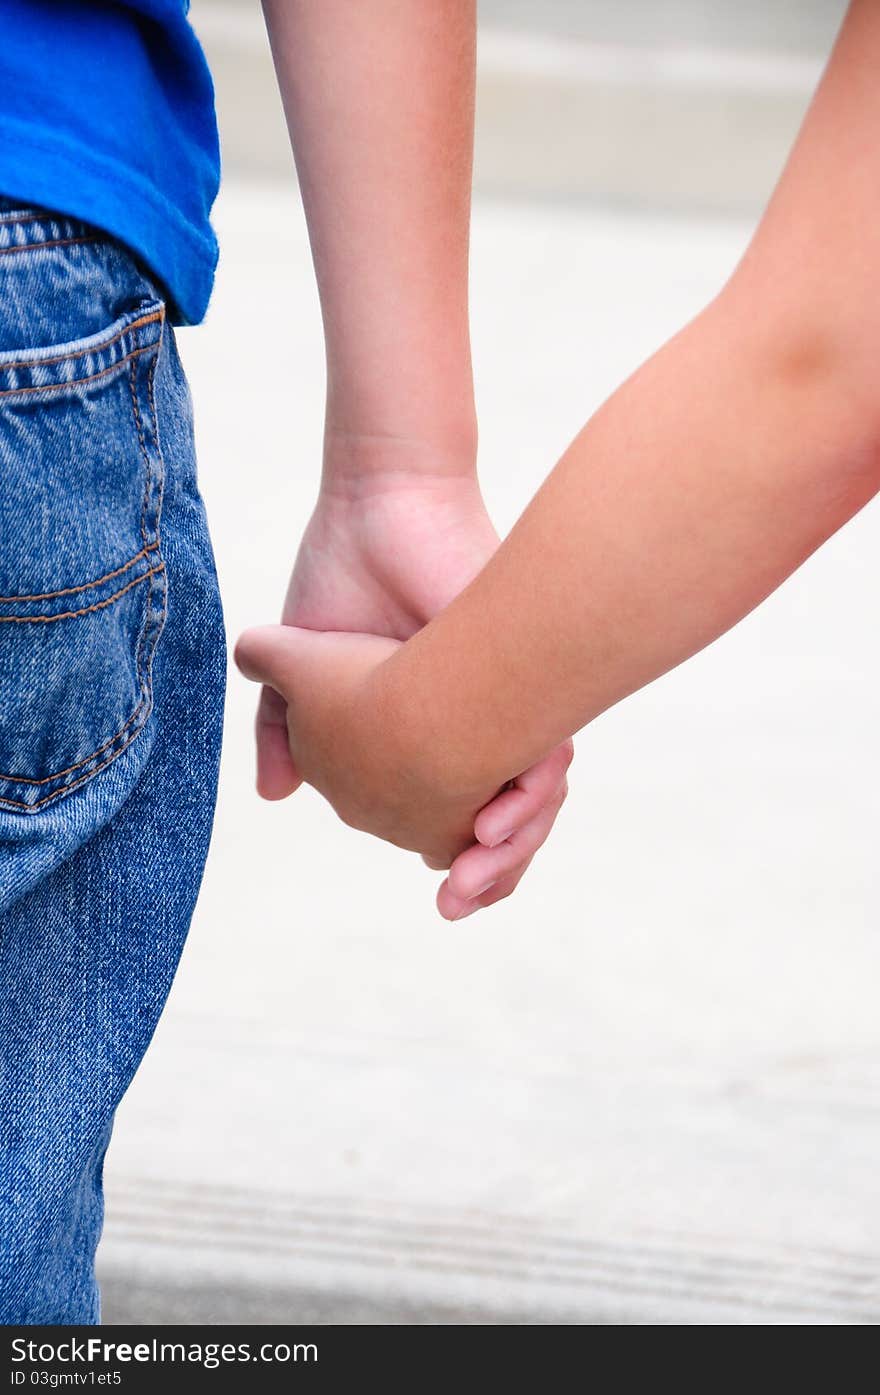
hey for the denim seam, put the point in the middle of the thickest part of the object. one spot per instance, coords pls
(29, 215)
(25, 215)
(151, 398)
(132, 387)
(143, 673)
(24, 808)
(143, 676)
(50, 242)
(86, 586)
(73, 382)
(85, 610)
(143, 656)
(77, 765)
(143, 662)
(79, 351)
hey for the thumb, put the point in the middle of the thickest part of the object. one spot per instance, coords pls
(273, 655)
(309, 668)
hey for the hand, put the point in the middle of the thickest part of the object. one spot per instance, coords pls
(392, 540)
(355, 742)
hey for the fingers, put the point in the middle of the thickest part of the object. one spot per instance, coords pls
(315, 678)
(481, 876)
(452, 908)
(478, 868)
(277, 775)
(516, 807)
(264, 655)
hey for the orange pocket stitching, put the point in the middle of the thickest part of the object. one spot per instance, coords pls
(86, 586)
(49, 779)
(98, 348)
(65, 789)
(86, 610)
(74, 382)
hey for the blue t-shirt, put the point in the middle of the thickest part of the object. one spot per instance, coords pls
(107, 114)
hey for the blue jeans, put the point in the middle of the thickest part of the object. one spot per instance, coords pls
(112, 676)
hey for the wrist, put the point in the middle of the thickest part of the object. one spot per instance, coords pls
(409, 699)
(356, 459)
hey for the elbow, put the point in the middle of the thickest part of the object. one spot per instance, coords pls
(820, 384)
(811, 343)
(844, 413)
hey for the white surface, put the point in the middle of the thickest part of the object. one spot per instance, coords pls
(692, 106)
(646, 1089)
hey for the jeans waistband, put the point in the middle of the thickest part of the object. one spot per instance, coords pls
(24, 225)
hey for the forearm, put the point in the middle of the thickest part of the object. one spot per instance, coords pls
(685, 502)
(379, 101)
(704, 482)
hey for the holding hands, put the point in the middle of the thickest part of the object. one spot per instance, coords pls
(420, 667)
(380, 107)
(380, 557)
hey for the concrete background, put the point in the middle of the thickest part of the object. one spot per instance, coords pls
(644, 1090)
(691, 104)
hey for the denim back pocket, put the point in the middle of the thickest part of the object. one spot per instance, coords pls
(82, 579)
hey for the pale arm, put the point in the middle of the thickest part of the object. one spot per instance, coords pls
(379, 100)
